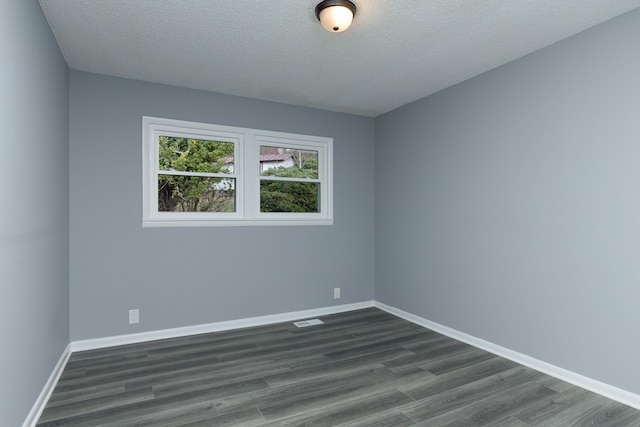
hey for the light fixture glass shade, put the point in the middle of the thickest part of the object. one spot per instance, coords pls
(336, 18)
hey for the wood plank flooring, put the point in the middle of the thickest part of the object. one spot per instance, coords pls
(361, 368)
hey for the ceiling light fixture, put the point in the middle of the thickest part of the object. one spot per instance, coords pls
(335, 15)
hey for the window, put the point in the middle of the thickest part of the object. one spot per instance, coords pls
(197, 174)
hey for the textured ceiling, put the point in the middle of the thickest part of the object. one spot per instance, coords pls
(395, 52)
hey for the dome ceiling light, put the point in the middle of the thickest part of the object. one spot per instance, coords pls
(335, 15)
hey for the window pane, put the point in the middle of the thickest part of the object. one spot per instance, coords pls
(195, 155)
(287, 196)
(178, 193)
(287, 162)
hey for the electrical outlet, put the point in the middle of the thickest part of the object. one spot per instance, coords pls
(134, 316)
(336, 293)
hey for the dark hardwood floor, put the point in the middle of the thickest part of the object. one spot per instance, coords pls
(361, 368)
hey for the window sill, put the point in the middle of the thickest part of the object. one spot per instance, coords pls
(151, 223)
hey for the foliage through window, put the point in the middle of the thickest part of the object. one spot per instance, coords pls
(202, 174)
(288, 180)
(195, 175)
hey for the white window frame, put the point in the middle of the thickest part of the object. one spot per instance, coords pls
(246, 174)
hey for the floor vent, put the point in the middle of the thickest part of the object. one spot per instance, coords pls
(305, 323)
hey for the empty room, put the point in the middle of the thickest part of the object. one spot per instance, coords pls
(328, 213)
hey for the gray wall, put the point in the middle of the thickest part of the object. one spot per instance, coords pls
(188, 276)
(508, 206)
(34, 222)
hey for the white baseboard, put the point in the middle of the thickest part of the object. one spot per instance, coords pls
(603, 389)
(41, 401)
(96, 343)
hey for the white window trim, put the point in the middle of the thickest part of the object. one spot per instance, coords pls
(247, 142)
